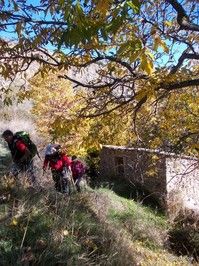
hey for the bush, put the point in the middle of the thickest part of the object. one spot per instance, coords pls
(184, 235)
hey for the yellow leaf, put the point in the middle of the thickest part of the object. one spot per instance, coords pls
(140, 95)
(155, 157)
(102, 6)
(195, 146)
(165, 47)
(146, 64)
(134, 56)
(14, 222)
(160, 43)
(168, 23)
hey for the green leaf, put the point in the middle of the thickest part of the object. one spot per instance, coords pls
(124, 47)
(104, 34)
(115, 25)
(134, 5)
(61, 2)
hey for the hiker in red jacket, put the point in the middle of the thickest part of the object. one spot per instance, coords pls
(21, 155)
(78, 170)
(60, 166)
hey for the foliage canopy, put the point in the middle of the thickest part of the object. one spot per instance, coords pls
(129, 53)
(131, 40)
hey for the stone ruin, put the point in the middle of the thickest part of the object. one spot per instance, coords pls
(170, 178)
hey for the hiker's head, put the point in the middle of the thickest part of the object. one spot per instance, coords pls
(74, 157)
(8, 135)
(52, 150)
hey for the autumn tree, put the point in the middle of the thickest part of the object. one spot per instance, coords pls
(171, 124)
(142, 51)
(56, 109)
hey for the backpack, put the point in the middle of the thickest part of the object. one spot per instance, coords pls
(78, 168)
(25, 137)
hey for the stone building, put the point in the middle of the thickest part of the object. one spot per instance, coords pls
(168, 177)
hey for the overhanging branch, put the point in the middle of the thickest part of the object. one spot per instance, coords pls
(27, 57)
(182, 17)
(179, 85)
(89, 86)
(93, 115)
(112, 59)
(183, 57)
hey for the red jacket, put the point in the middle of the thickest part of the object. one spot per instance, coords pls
(58, 164)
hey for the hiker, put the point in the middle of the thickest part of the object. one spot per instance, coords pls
(22, 150)
(60, 166)
(78, 171)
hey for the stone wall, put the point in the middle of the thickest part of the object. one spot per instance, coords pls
(137, 166)
(161, 174)
(183, 182)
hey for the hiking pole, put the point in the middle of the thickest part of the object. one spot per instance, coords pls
(72, 181)
(39, 156)
(44, 172)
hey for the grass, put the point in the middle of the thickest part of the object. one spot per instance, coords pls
(54, 230)
(96, 227)
(128, 190)
(141, 222)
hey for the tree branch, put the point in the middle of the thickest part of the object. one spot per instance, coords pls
(131, 77)
(183, 57)
(110, 110)
(89, 86)
(182, 17)
(179, 85)
(112, 59)
(32, 58)
(24, 19)
(173, 36)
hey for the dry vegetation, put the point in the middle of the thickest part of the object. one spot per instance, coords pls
(97, 227)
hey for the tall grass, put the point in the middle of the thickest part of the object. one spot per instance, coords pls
(47, 228)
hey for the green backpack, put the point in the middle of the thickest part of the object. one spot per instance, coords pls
(25, 137)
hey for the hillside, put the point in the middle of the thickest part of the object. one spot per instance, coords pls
(96, 227)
